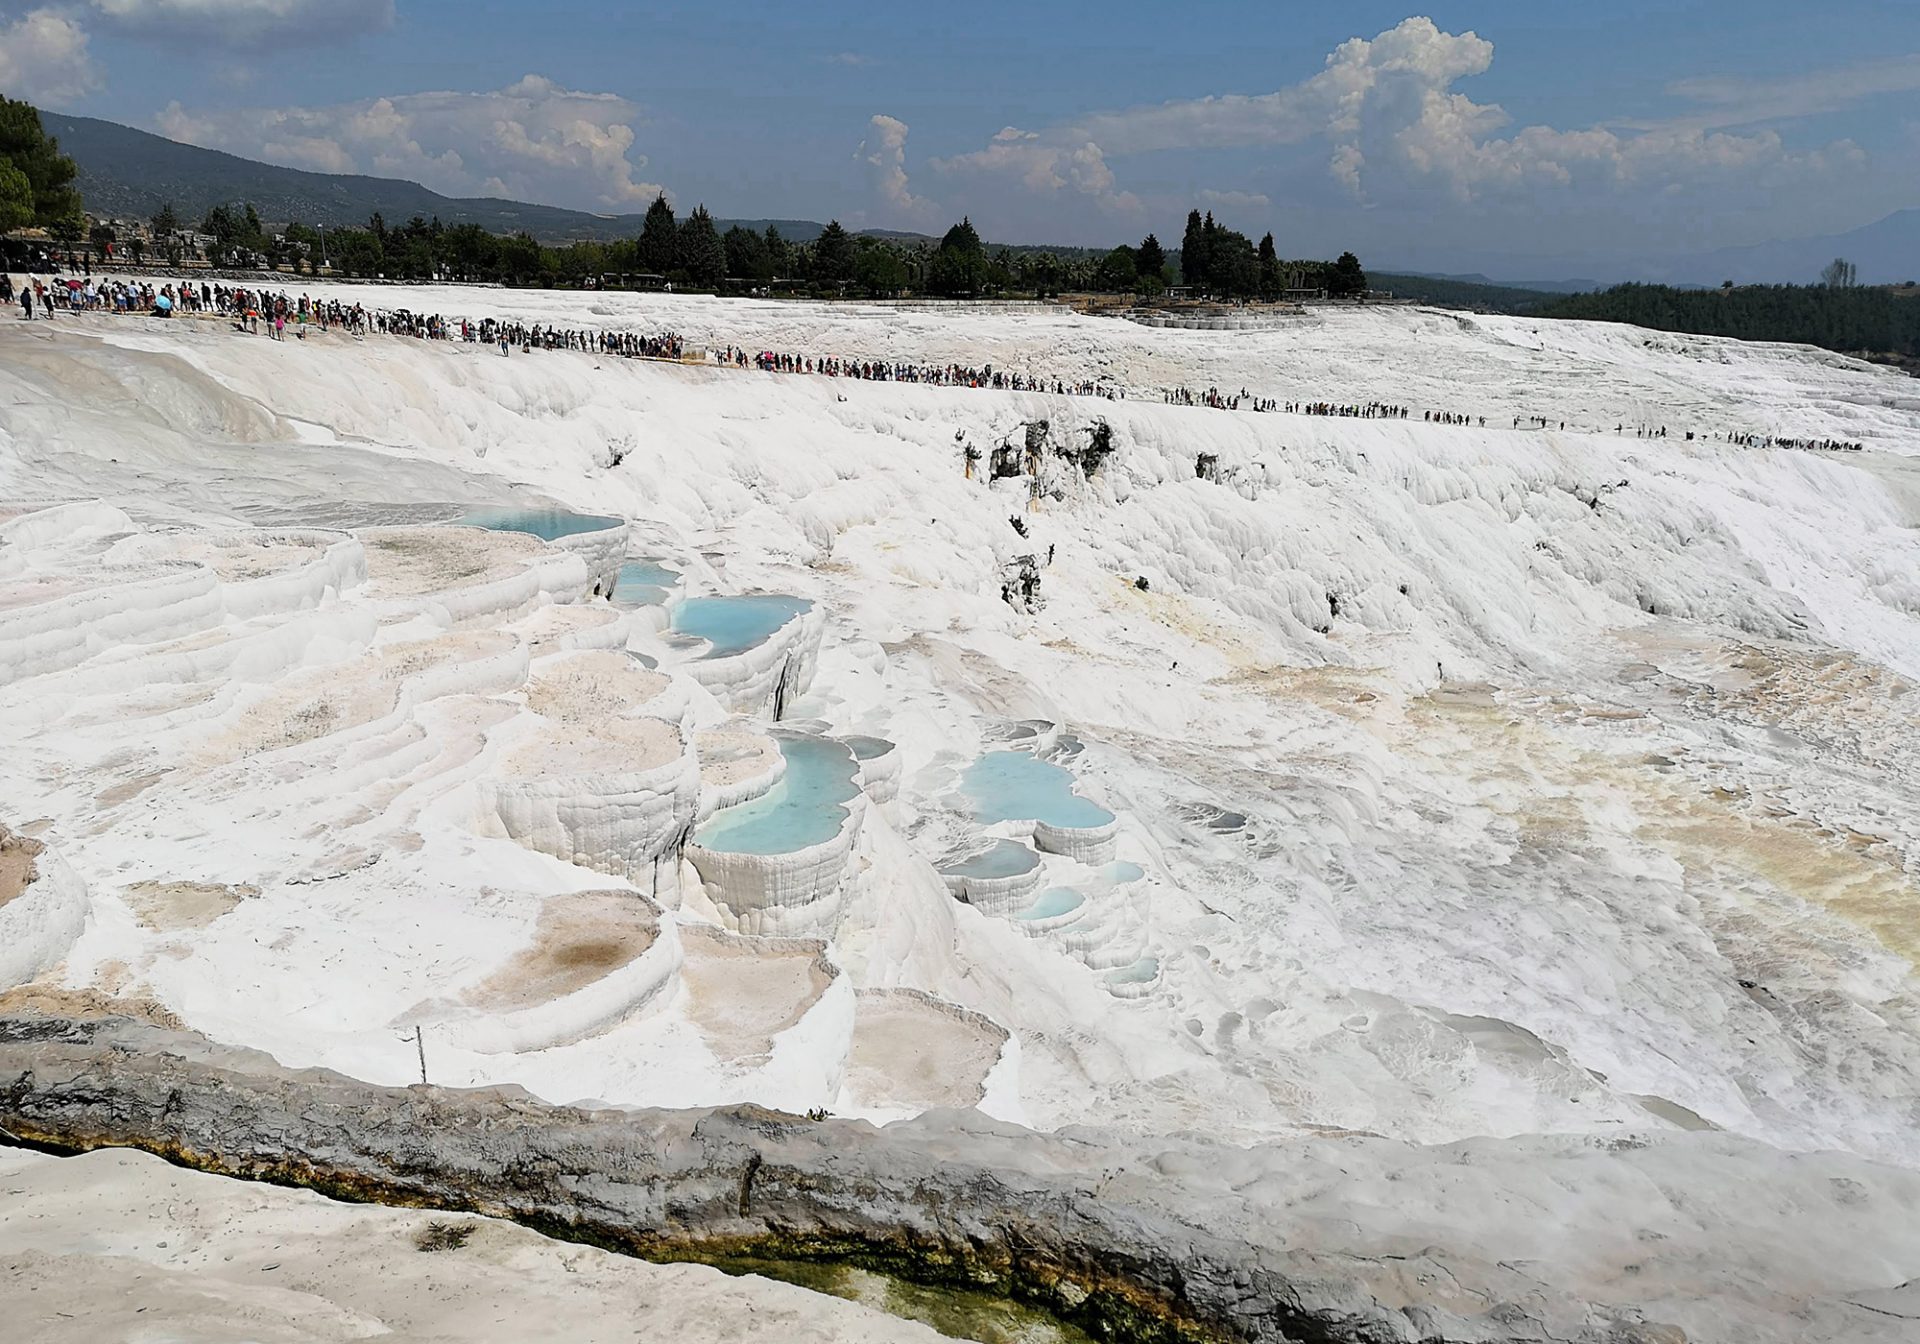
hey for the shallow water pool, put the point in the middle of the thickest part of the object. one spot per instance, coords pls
(644, 583)
(868, 748)
(733, 625)
(1005, 858)
(1053, 903)
(546, 524)
(1017, 786)
(1141, 972)
(805, 808)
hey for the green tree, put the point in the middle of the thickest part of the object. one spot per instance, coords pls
(779, 255)
(1347, 280)
(16, 197)
(165, 222)
(26, 147)
(959, 265)
(1228, 266)
(1119, 271)
(1193, 252)
(701, 253)
(1840, 274)
(1270, 282)
(833, 255)
(747, 255)
(228, 229)
(1151, 260)
(519, 258)
(879, 271)
(658, 237)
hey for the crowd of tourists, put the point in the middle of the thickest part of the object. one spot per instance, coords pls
(1244, 400)
(254, 311)
(899, 371)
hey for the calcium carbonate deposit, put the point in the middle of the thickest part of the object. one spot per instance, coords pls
(1443, 784)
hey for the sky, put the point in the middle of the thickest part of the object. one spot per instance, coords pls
(1429, 135)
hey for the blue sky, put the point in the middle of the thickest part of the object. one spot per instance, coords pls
(1435, 134)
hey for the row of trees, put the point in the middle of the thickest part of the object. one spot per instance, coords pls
(692, 253)
(1222, 262)
(1835, 316)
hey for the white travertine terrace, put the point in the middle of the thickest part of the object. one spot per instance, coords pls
(1488, 783)
(780, 665)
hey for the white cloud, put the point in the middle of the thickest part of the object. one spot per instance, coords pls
(246, 23)
(43, 59)
(533, 141)
(852, 58)
(1731, 101)
(884, 151)
(1235, 200)
(1046, 164)
(1387, 112)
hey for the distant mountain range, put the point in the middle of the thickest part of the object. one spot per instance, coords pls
(1887, 253)
(131, 174)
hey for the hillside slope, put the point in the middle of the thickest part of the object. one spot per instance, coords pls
(128, 172)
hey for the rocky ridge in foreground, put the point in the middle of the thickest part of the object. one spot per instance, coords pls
(1328, 1238)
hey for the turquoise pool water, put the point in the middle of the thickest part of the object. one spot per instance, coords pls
(1122, 871)
(643, 583)
(1140, 973)
(866, 748)
(1053, 903)
(546, 524)
(1017, 786)
(1006, 858)
(735, 624)
(805, 808)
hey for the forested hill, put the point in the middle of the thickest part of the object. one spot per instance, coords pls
(1853, 320)
(129, 173)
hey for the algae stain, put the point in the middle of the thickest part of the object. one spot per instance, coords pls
(953, 1312)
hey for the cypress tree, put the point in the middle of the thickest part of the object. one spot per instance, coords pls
(833, 254)
(659, 236)
(1152, 258)
(701, 253)
(1193, 253)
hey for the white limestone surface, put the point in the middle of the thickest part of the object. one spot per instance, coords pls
(118, 1245)
(43, 908)
(1494, 782)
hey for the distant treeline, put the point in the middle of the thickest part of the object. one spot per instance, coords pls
(1851, 319)
(1444, 293)
(693, 253)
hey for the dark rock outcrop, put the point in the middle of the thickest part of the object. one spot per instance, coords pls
(1158, 1240)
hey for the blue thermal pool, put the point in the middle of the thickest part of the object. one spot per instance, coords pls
(1053, 903)
(805, 808)
(1017, 786)
(1140, 973)
(546, 524)
(1005, 858)
(1121, 872)
(735, 624)
(867, 748)
(643, 583)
